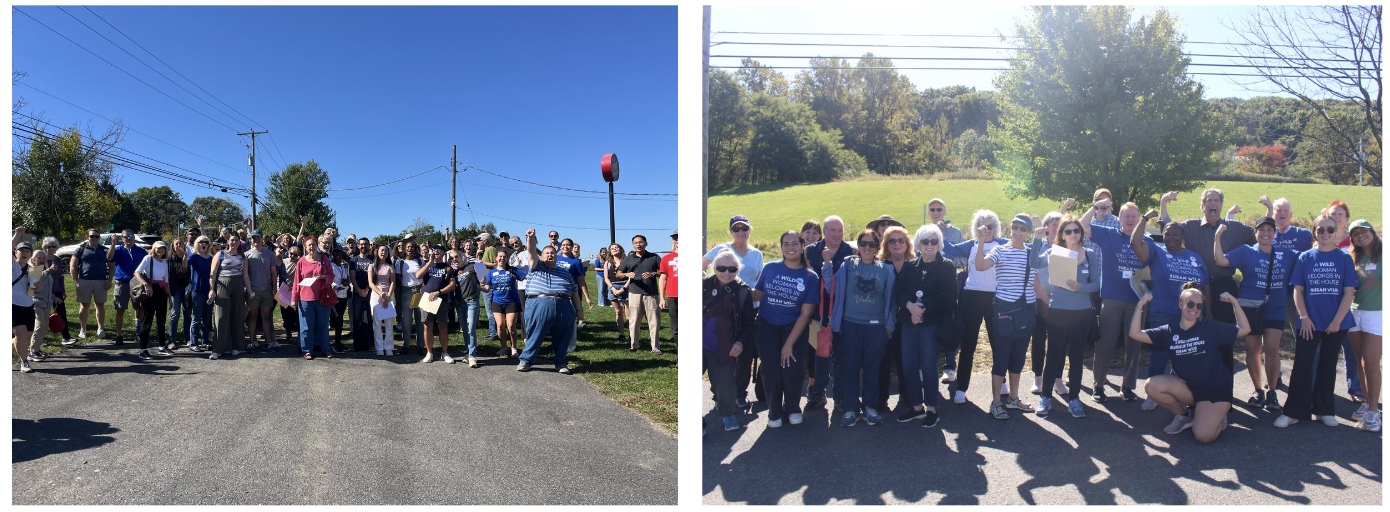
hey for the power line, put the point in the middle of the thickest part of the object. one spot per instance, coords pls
(977, 69)
(364, 187)
(599, 198)
(128, 163)
(377, 194)
(994, 36)
(529, 223)
(277, 150)
(1003, 59)
(562, 188)
(223, 164)
(137, 59)
(103, 59)
(171, 68)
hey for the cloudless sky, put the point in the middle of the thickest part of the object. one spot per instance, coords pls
(1198, 23)
(374, 94)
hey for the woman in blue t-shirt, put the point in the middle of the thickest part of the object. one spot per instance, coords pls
(600, 263)
(1199, 395)
(506, 302)
(1325, 281)
(1264, 302)
(200, 263)
(789, 293)
(861, 312)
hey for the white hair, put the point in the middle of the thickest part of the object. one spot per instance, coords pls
(834, 218)
(35, 256)
(982, 217)
(1284, 202)
(48, 241)
(927, 231)
(724, 252)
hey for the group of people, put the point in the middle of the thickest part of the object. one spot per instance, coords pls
(887, 300)
(224, 286)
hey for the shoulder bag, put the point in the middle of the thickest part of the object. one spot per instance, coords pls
(1017, 318)
(825, 336)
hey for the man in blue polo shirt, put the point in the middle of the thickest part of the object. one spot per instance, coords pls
(126, 257)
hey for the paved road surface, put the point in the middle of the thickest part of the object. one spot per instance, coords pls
(95, 425)
(1117, 454)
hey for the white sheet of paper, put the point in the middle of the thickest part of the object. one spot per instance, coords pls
(429, 306)
(1370, 267)
(481, 270)
(308, 281)
(380, 312)
(1061, 267)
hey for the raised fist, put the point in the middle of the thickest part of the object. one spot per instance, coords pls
(1069, 203)
(1171, 196)
(531, 233)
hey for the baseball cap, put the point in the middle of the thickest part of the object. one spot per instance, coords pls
(1360, 223)
(740, 218)
(674, 233)
(24, 245)
(1022, 218)
(1264, 220)
(257, 232)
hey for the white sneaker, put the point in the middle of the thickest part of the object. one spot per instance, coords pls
(1371, 422)
(24, 366)
(472, 363)
(1329, 420)
(581, 324)
(236, 352)
(1149, 404)
(448, 359)
(1061, 389)
(429, 356)
(1004, 389)
(213, 356)
(774, 423)
(1037, 388)
(81, 335)
(381, 352)
(101, 335)
(1284, 421)
(503, 352)
(948, 376)
(794, 418)
(1361, 412)
(960, 397)
(69, 342)
(390, 352)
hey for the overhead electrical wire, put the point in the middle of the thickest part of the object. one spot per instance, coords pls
(479, 169)
(132, 164)
(975, 69)
(995, 36)
(529, 223)
(998, 59)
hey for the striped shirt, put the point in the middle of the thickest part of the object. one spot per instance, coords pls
(546, 279)
(1009, 265)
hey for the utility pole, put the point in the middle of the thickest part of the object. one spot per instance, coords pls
(453, 199)
(704, 136)
(1361, 161)
(253, 133)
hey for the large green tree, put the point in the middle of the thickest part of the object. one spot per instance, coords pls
(62, 183)
(1096, 100)
(728, 128)
(298, 190)
(160, 209)
(885, 124)
(216, 212)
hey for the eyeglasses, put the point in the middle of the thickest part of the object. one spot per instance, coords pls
(1072, 231)
(1326, 231)
(1192, 304)
(868, 243)
(936, 210)
(930, 242)
(988, 226)
(93, 236)
(897, 241)
(727, 270)
(738, 229)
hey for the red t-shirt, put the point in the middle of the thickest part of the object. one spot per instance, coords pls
(668, 269)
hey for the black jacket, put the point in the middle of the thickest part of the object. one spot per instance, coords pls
(742, 298)
(937, 283)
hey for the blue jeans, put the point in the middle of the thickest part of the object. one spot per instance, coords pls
(920, 349)
(359, 310)
(202, 319)
(176, 311)
(602, 290)
(313, 326)
(408, 318)
(548, 315)
(467, 311)
(491, 322)
(862, 351)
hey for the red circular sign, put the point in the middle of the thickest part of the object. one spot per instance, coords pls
(610, 167)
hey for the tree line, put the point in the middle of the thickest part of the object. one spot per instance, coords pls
(1096, 100)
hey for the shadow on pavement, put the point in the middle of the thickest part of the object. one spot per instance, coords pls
(35, 439)
(1117, 450)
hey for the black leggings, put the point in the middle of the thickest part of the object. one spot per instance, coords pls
(1039, 350)
(744, 374)
(975, 307)
(289, 318)
(1069, 330)
(892, 360)
(338, 310)
(157, 305)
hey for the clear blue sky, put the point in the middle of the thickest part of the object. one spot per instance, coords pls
(374, 94)
(1199, 23)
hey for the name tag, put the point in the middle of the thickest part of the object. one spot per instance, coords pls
(1127, 274)
(1085, 271)
(873, 322)
(1370, 267)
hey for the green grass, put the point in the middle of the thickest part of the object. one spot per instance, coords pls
(774, 209)
(637, 380)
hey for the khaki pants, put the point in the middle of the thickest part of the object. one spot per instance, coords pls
(40, 327)
(643, 305)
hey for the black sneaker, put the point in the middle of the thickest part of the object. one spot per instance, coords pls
(1256, 400)
(815, 401)
(164, 351)
(144, 355)
(912, 414)
(1099, 396)
(120, 340)
(929, 419)
(1128, 395)
(1272, 402)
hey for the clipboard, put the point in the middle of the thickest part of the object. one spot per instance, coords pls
(1061, 266)
(380, 312)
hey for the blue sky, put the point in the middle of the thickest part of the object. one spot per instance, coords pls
(374, 94)
(1199, 23)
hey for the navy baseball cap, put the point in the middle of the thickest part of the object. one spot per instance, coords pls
(740, 218)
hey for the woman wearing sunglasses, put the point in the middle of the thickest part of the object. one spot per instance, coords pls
(728, 328)
(861, 313)
(896, 252)
(1365, 309)
(1325, 282)
(50, 246)
(976, 299)
(789, 293)
(1069, 315)
(1199, 395)
(1264, 302)
(1171, 266)
(199, 264)
(1017, 272)
(924, 295)
(1038, 347)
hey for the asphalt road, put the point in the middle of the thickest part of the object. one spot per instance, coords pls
(1117, 454)
(94, 425)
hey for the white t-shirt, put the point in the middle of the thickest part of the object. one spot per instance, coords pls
(20, 294)
(521, 260)
(157, 270)
(981, 280)
(752, 262)
(407, 270)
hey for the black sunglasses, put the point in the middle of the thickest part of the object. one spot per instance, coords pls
(988, 226)
(1192, 304)
(929, 242)
(728, 269)
(936, 210)
(896, 241)
(1326, 231)
(868, 243)
(1072, 231)
(738, 229)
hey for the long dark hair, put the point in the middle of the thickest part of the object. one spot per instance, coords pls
(796, 234)
(1357, 252)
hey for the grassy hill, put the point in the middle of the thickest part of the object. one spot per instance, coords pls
(774, 209)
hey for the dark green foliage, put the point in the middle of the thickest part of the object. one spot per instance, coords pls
(298, 190)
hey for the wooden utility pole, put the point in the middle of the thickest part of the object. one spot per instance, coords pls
(453, 200)
(252, 159)
(704, 138)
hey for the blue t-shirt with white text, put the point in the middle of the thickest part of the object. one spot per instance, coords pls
(1254, 270)
(785, 290)
(1170, 270)
(1324, 277)
(1118, 265)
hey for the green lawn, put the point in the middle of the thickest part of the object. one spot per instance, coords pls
(774, 209)
(638, 380)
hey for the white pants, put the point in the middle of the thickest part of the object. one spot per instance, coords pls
(385, 339)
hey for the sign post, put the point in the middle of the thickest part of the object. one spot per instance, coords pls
(610, 175)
